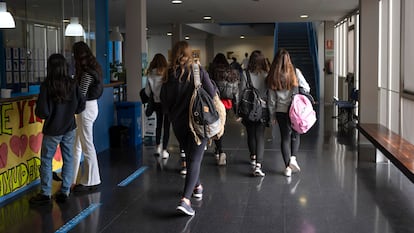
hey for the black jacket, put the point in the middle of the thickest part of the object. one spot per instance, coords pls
(176, 95)
(59, 117)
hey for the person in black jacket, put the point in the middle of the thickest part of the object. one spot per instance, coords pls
(58, 102)
(227, 81)
(175, 96)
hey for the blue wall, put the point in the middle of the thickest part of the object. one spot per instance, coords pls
(104, 121)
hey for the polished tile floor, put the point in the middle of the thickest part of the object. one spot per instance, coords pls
(333, 192)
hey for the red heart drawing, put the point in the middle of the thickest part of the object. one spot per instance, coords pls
(58, 154)
(18, 145)
(3, 155)
(35, 142)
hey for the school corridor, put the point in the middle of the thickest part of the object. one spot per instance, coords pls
(334, 192)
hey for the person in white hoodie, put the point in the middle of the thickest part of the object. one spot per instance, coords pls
(282, 82)
(156, 75)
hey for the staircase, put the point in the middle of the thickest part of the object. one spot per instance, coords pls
(298, 39)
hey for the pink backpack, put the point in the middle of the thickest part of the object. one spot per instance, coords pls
(301, 113)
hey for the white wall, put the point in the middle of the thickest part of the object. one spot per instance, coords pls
(161, 44)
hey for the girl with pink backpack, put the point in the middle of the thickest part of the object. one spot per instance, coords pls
(282, 83)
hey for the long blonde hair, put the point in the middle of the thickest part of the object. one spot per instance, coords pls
(181, 59)
(282, 75)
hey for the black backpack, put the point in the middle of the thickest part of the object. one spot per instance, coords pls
(204, 117)
(250, 105)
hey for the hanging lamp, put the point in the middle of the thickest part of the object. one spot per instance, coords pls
(74, 28)
(6, 19)
(116, 35)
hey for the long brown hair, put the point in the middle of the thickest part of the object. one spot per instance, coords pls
(85, 60)
(257, 62)
(220, 69)
(159, 63)
(181, 59)
(282, 75)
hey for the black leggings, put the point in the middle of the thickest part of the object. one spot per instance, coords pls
(255, 139)
(194, 156)
(290, 139)
(162, 120)
(219, 145)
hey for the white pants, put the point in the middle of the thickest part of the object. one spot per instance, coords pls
(86, 173)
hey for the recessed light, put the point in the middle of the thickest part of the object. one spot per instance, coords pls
(176, 1)
(187, 37)
(304, 16)
(169, 33)
(242, 37)
(207, 17)
(66, 21)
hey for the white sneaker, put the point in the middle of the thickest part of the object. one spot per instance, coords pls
(158, 149)
(222, 159)
(258, 171)
(288, 172)
(294, 164)
(165, 154)
(217, 156)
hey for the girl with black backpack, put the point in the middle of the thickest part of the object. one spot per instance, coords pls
(255, 75)
(176, 93)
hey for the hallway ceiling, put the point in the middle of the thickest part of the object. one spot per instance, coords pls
(162, 13)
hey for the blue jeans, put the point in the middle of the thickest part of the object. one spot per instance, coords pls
(49, 146)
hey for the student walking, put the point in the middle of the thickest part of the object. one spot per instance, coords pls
(176, 94)
(58, 102)
(88, 75)
(227, 81)
(257, 70)
(282, 83)
(157, 71)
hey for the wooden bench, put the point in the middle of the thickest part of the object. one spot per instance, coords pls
(398, 150)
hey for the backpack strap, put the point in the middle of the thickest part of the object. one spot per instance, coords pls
(249, 80)
(196, 73)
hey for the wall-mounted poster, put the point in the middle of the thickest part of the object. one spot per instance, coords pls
(15, 65)
(22, 65)
(9, 77)
(196, 54)
(8, 53)
(9, 66)
(22, 53)
(23, 78)
(16, 77)
(16, 53)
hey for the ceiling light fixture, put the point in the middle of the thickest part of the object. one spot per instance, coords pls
(169, 33)
(187, 37)
(176, 1)
(74, 28)
(207, 17)
(116, 35)
(304, 16)
(242, 37)
(6, 19)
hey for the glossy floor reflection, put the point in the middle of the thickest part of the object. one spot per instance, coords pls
(333, 193)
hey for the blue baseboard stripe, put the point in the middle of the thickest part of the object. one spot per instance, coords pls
(78, 218)
(133, 176)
